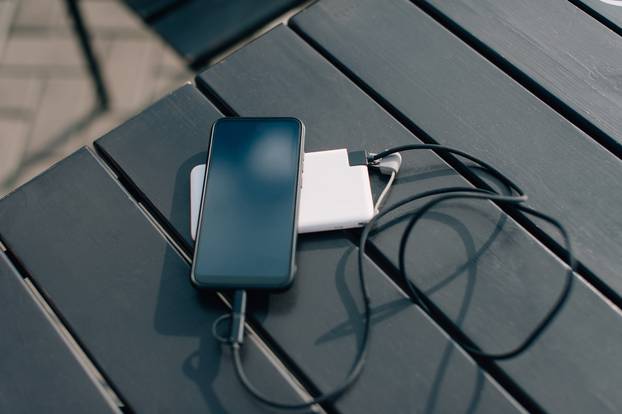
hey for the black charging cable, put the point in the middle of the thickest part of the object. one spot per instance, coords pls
(515, 199)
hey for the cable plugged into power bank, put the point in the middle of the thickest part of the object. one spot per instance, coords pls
(335, 194)
(389, 165)
(389, 162)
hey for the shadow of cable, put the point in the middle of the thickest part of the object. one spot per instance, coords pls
(183, 311)
(205, 365)
(472, 259)
(385, 311)
(471, 268)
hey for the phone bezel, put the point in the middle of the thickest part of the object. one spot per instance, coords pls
(241, 281)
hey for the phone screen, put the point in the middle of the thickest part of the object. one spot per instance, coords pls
(247, 226)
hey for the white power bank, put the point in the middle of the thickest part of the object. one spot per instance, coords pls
(334, 194)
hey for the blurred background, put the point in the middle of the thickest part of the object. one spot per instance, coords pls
(48, 105)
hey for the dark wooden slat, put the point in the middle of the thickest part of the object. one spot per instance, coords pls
(148, 8)
(437, 84)
(200, 29)
(125, 293)
(183, 116)
(411, 365)
(314, 323)
(39, 371)
(558, 47)
(511, 279)
(609, 12)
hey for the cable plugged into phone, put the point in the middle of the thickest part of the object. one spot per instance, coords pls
(389, 162)
(236, 338)
(238, 317)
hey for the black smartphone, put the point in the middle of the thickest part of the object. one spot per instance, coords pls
(248, 222)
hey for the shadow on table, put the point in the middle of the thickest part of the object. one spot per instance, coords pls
(183, 311)
(468, 269)
(383, 312)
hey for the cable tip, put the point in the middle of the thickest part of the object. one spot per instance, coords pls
(390, 164)
(238, 317)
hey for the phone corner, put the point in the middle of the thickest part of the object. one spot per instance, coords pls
(194, 281)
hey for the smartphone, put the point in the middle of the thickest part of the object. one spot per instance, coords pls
(249, 208)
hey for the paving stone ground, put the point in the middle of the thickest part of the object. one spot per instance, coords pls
(46, 96)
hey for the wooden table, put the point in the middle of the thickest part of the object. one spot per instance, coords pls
(198, 30)
(97, 308)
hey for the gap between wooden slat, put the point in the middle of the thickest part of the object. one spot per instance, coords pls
(596, 15)
(202, 64)
(581, 271)
(127, 187)
(250, 332)
(523, 79)
(91, 370)
(110, 395)
(506, 384)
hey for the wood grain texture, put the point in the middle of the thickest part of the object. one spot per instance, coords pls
(608, 12)
(199, 29)
(411, 365)
(39, 371)
(184, 116)
(316, 323)
(437, 84)
(554, 44)
(486, 273)
(125, 293)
